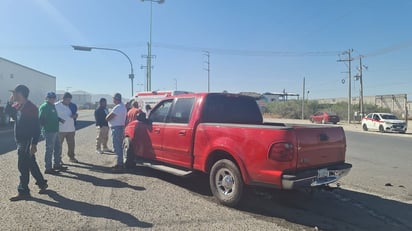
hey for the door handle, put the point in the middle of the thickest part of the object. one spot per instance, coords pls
(157, 131)
(182, 133)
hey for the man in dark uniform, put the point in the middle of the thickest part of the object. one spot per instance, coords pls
(26, 133)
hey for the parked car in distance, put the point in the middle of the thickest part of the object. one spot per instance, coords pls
(383, 122)
(224, 136)
(324, 118)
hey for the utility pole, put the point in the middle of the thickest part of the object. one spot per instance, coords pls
(207, 54)
(349, 60)
(303, 100)
(360, 78)
(148, 67)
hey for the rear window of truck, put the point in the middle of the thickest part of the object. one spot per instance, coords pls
(231, 109)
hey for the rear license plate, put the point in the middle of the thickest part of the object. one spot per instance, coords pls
(322, 173)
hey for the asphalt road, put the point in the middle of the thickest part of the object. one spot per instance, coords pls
(89, 196)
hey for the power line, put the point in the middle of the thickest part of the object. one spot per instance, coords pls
(240, 52)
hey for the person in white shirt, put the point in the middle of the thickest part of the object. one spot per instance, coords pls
(67, 129)
(117, 120)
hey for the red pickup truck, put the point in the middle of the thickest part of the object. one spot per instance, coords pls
(224, 136)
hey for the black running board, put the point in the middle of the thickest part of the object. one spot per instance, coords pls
(164, 168)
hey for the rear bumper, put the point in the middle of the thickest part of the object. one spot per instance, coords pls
(315, 177)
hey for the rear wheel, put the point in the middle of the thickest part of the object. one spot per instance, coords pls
(381, 129)
(226, 182)
(365, 128)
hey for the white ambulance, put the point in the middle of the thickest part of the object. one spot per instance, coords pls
(151, 98)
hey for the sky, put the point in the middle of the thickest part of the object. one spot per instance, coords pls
(255, 46)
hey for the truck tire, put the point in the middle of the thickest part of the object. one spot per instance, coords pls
(365, 128)
(226, 182)
(128, 154)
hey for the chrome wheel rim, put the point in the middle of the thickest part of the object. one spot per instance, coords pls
(225, 182)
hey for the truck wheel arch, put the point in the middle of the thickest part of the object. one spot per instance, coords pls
(217, 155)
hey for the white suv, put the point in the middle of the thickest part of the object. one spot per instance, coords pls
(383, 122)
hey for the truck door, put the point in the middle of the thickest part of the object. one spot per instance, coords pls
(158, 117)
(178, 134)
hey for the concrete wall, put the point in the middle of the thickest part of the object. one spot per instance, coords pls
(355, 100)
(12, 74)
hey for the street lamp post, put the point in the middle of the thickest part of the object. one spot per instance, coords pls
(149, 50)
(84, 48)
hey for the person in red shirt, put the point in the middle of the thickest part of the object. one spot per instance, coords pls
(133, 112)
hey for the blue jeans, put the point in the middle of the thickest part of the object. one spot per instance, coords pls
(27, 164)
(117, 135)
(53, 149)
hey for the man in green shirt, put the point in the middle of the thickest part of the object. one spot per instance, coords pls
(50, 128)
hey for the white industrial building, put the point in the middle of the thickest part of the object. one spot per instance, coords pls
(12, 74)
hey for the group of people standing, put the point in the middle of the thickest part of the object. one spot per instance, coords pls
(115, 120)
(56, 121)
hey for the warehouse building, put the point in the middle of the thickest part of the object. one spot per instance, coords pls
(12, 74)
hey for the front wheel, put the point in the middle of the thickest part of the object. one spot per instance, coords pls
(226, 182)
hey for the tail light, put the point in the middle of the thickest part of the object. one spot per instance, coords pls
(282, 152)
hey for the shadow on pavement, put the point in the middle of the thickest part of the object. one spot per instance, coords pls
(81, 124)
(91, 210)
(332, 210)
(336, 210)
(99, 182)
(327, 210)
(197, 182)
(91, 167)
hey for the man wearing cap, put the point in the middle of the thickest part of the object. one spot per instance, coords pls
(67, 130)
(26, 134)
(49, 121)
(117, 120)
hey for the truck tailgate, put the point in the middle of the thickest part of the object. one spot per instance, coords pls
(319, 146)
